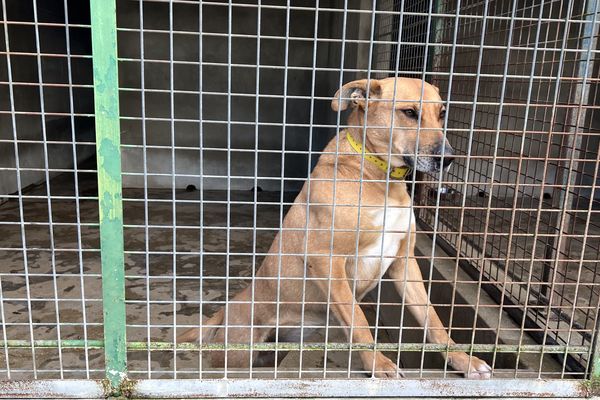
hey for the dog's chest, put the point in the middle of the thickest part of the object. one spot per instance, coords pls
(394, 223)
(378, 250)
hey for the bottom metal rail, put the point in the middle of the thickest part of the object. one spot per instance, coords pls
(302, 388)
(415, 347)
(55, 389)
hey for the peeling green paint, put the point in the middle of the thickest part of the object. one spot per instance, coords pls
(590, 388)
(127, 388)
(106, 102)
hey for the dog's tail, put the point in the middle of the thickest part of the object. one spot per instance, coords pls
(206, 333)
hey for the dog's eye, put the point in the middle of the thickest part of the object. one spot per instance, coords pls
(443, 114)
(410, 113)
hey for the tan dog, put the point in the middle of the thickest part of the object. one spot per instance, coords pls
(332, 278)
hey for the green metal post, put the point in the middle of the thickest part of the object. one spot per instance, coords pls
(106, 99)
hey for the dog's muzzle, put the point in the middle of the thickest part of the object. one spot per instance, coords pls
(432, 161)
(447, 159)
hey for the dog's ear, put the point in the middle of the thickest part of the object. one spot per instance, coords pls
(356, 92)
(437, 89)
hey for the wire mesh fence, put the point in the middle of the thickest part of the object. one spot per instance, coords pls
(50, 276)
(533, 165)
(260, 242)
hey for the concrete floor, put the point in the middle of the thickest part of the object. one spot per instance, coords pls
(156, 276)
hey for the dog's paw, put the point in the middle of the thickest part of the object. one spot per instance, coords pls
(471, 366)
(384, 367)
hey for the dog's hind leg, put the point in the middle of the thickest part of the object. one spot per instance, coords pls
(204, 335)
(239, 330)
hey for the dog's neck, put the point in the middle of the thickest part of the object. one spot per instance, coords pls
(365, 169)
(362, 139)
(358, 134)
(375, 159)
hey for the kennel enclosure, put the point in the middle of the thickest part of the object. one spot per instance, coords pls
(150, 151)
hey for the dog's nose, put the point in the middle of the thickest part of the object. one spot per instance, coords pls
(448, 153)
(448, 159)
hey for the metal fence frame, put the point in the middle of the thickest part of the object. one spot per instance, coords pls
(106, 95)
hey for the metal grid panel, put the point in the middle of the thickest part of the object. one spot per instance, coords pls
(225, 110)
(404, 27)
(521, 207)
(222, 235)
(50, 275)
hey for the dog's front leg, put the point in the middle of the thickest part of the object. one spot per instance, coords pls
(344, 305)
(408, 280)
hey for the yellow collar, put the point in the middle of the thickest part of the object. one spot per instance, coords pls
(397, 172)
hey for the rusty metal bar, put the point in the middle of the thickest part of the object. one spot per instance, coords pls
(308, 346)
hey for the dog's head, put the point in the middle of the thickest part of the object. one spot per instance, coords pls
(417, 136)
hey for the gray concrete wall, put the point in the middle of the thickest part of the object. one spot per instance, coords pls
(213, 108)
(188, 108)
(27, 97)
(215, 102)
